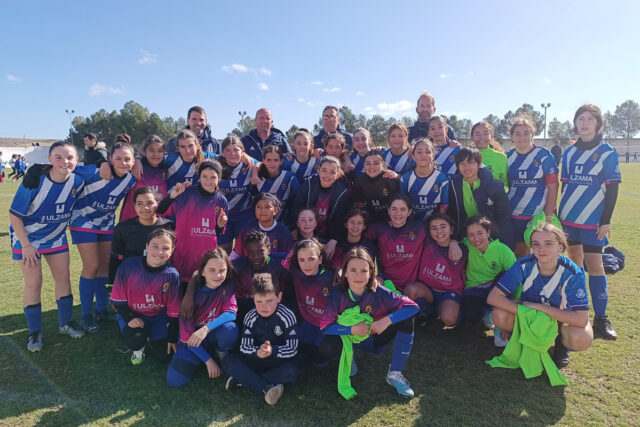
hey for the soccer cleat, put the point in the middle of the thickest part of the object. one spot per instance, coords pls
(560, 354)
(35, 342)
(354, 368)
(137, 357)
(498, 341)
(603, 329)
(232, 384)
(487, 320)
(72, 330)
(88, 324)
(273, 394)
(400, 383)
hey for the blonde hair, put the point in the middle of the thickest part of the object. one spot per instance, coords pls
(557, 233)
(523, 119)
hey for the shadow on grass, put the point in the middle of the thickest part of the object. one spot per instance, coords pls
(90, 380)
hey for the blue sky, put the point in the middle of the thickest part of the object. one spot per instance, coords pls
(295, 57)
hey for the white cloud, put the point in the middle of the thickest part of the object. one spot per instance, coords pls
(390, 109)
(546, 81)
(332, 90)
(471, 74)
(265, 71)
(97, 89)
(235, 68)
(316, 83)
(300, 99)
(148, 58)
(458, 114)
(358, 93)
(445, 75)
(369, 109)
(311, 104)
(13, 78)
(263, 86)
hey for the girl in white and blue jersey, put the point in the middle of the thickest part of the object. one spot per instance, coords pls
(533, 179)
(548, 282)
(236, 186)
(92, 225)
(39, 218)
(281, 183)
(427, 186)
(362, 143)
(446, 149)
(303, 164)
(182, 164)
(398, 156)
(590, 180)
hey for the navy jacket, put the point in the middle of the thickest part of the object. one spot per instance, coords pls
(421, 129)
(348, 138)
(253, 145)
(492, 202)
(308, 196)
(207, 142)
(95, 155)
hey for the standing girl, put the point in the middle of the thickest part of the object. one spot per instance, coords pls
(493, 157)
(303, 164)
(397, 157)
(281, 183)
(362, 144)
(426, 185)
(146, 295)
(373, 190)
(590, 180)
(533, 180)
(39, 220)
(212, 328)
(392, 317)
(154, 175)
(92, 227)
(446, 149)
(201, 216)
(328, 196)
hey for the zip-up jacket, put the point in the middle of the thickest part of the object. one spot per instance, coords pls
(253, 145)
(207, 142)
(308, 196)
(421, 129)
(348, 138)
(492, 202)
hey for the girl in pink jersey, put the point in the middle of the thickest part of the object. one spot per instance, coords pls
(440, 279)
(201, 216)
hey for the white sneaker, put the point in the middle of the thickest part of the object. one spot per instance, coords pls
(272, 395)
(400, 383)
(498, 341)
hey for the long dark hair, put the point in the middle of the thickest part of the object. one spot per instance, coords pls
(217, 253)
(311, 244)
(358, 253)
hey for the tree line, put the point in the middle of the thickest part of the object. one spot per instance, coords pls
(138, 122)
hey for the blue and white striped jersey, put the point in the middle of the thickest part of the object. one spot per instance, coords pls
(179, 171)
(302, 171)
(565, 289)
(528, 181)
(97, 203)
(237, 188)
(428, 194)
(446, 159)
(45, 212)
(399, 164)
(584, 176)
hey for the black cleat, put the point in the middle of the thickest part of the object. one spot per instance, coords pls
(560, 354)
(603, 329)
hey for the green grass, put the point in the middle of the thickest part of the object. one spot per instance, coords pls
(90, 381)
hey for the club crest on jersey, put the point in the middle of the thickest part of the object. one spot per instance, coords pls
(277, 330)
(580, 293)
(535, 162)
(325, 291)
(368, 309)
(595, 156)
(451, 158)
(165, 286)
(412, 235)
(224, 292)
(244, 170)
(73, 192)
(494, 266)
(385, 192)
(284, 186)
(436, 187)
(274, 243)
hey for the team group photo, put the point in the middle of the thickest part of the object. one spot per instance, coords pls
(407, 264)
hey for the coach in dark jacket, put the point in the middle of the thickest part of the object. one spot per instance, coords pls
(482, 194)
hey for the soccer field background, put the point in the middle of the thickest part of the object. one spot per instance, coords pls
(91, 381)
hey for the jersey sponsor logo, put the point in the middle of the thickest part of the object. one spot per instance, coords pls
(522, 174)
(400, 249)
(233, 183)
(438, 274)
(165, 287)
(205, 222)
(322, 212)
(156, 187)
(212, 314)
(59, 208)
(578, 170)
(376, 204)
(423, 200)
(525, 182)
(309, 300)
(277, 330)
(581, 178)
(111, 200)
(148, 298)
(440, 268)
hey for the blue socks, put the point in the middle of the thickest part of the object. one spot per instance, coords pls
(401, 348)
(87, 291)
(34, 317)
(599, 295)
(425, 307)
(102, 296)
(65, 310)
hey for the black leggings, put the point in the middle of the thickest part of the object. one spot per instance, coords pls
(136, 339)
(331, 346)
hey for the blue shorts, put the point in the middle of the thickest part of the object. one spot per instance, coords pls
(441, 296)
(78, 236)
(584, 236)
(309, 334)
(478, 291)
(17, 253)
(519, 226)
(157, 326)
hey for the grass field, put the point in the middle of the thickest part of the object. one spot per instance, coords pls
(90, 381)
